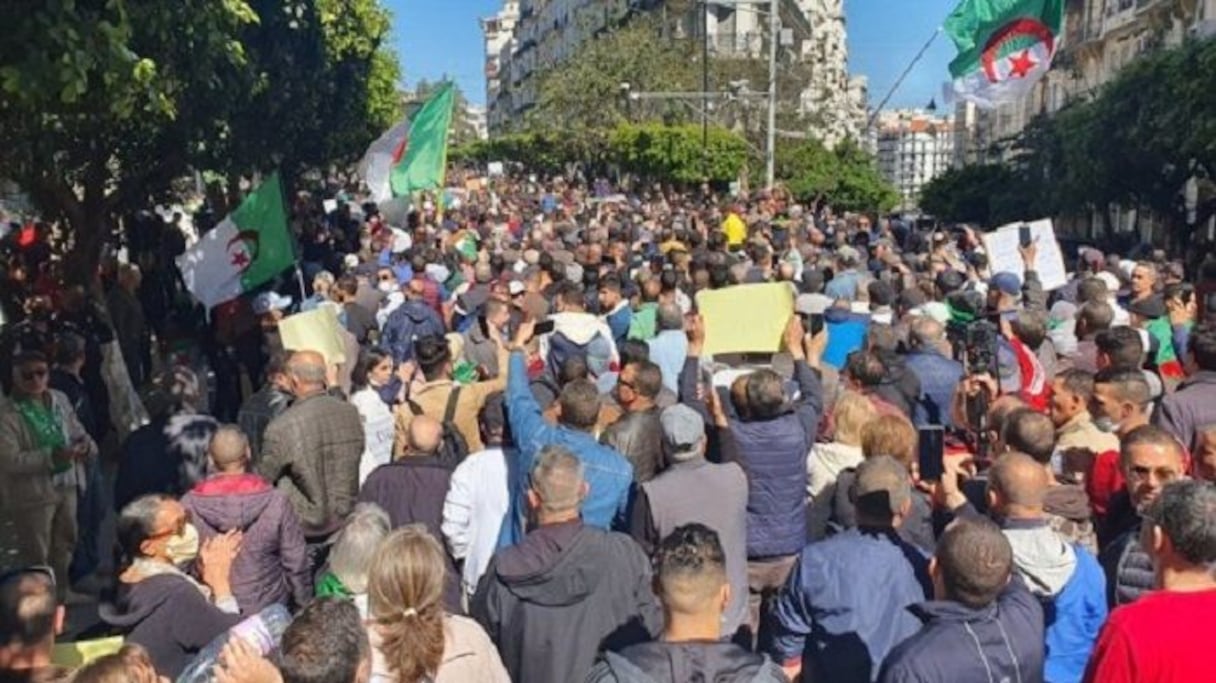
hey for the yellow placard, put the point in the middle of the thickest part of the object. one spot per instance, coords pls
(316, 330)
(76, 655)
(746, 318)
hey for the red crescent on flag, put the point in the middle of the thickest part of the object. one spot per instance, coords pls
(1014, 29)
(399, 152)
(251, 242)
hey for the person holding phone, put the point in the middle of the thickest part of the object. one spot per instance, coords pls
(42, 448)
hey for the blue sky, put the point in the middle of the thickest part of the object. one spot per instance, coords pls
(438, 37)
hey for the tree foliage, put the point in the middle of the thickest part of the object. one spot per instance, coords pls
(106, 102)
(845, 177)
(675, 153)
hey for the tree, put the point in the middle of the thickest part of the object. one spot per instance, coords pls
(107, 102)
(808, 170)
(675, 153)
(968, 194)
(860, 186)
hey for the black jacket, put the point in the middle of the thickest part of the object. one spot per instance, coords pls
(561, 596)
(411, 490)
(168, 616)
(639, 437)
(657, 662)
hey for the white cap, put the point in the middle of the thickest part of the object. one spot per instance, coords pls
(270, 301)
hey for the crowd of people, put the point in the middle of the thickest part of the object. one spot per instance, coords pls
(526, 466)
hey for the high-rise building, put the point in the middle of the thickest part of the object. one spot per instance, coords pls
(544, 33)
(914, 147)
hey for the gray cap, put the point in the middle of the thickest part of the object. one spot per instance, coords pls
(683, 431)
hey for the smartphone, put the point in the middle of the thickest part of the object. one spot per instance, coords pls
(1024, 236)
(544, 327)
(931, 451)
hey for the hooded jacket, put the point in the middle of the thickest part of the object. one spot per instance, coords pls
(411, 321)
(999, 643)
(1069, 583)
(658, 662)
(584, 330)
(272, 566)
(169, 616)
(565, 593)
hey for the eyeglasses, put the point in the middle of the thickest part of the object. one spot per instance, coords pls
(31, 375)
(33, 569)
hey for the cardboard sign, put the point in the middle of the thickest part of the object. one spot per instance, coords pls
(746, 318)
(316, 330)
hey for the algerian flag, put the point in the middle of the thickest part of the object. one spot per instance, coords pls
(381, 156)
(425, 160)
(248, 248)
(1004, 47)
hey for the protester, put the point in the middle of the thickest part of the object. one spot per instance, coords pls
(272, 564)
(845, 604)
(1193, 404)
(1150, 458)
(373, 372)
(1161, 637)
(412, 320)
(266, 404)
(637, 435)
(350, 560)
(826, 461)
(930, 360)
(609, 475)
(669, 347)
(692, 584)
(131, 664)
(130, 328)
(1119, 407)
(983, 624)
(676, 497)
(478, 500)
(565, 582)
(43, 448)
(413, 638)
(312, 450)
(154, 594)
(326, 643)
(30, 619)
(1064, 576)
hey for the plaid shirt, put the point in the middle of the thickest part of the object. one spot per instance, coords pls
(257, 412)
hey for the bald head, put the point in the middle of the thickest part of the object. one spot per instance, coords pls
(425, 435)
(1018, 485)
(307, 372)
(415, 289)
(229, 449)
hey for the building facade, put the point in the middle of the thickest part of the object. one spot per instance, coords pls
(544, 33)
(914, 147)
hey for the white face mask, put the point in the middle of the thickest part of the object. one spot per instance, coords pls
(183, 548)
(1106, 425)
(386, 286)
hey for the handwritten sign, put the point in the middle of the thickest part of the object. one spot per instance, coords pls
(316, 330)
(1002, 244)
(746, 318)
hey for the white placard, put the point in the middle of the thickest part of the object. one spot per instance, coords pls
(1002, 244)
(495, 168)
(330, 205)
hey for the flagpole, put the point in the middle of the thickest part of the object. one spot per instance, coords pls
(899, 81)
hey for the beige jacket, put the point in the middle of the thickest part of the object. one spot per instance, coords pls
(25, 470)
(468, 656)
(1080, 433)
(432, 398)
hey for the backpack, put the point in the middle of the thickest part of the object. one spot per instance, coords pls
(562, 349)
(453, 448)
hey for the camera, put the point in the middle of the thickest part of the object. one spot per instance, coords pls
(975, 346)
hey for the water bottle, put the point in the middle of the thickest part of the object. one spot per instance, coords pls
(263, 630)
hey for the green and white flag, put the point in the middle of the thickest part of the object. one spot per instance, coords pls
(1004, 47)
(251, 246)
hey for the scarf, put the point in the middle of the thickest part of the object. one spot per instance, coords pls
(147, 568)
(46, 426)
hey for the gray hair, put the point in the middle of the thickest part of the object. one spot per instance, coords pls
(926, 332)
(670, 317)
(136, 523)
(307, 370)
(1186, 513)
(882, 487)
(557, 479)
(352, 554)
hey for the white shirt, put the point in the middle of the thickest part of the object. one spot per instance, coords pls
(473, 512)
(378, 429)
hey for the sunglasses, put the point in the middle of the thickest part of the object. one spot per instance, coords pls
(30, 375)
(386, 278)
(31, 570)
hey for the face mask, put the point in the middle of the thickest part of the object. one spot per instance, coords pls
(183, 548)
(386, 286)
(1106, 425)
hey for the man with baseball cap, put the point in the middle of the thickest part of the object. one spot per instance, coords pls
(678, 496)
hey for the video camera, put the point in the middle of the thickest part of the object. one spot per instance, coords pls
(974, 343)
